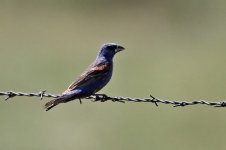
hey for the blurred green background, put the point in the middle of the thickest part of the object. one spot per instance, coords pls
(174, 50)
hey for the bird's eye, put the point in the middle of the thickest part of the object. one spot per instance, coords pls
(109, 47)
(113, 47)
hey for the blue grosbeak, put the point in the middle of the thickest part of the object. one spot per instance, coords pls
(93, 79)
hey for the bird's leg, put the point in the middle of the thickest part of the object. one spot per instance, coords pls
(101, 97)
(80, 101)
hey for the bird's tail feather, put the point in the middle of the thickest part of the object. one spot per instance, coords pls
(54, 102)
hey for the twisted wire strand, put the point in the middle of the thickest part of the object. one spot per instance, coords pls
(103, 98)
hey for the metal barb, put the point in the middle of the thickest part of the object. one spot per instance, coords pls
(41, 93)
(154, 100)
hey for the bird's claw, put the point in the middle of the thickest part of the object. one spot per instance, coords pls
(101, 97)
(10, 95)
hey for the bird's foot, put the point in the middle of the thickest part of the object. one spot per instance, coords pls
(80, 101)
(101, 97)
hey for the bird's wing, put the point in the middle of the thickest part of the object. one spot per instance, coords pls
(91, 73)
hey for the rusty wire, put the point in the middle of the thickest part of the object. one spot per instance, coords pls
(104, 98)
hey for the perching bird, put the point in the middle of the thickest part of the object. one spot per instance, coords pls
(96, 76)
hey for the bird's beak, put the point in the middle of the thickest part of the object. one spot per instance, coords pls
(119, 48)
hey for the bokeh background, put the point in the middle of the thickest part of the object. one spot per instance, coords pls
(174, 50)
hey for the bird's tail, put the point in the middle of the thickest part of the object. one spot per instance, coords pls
(54, 102)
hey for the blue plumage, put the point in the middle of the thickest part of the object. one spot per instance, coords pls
(96, 76)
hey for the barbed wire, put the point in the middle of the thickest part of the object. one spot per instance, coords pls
(104, 98)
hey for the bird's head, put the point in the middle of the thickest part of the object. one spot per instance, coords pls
(108, 50)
